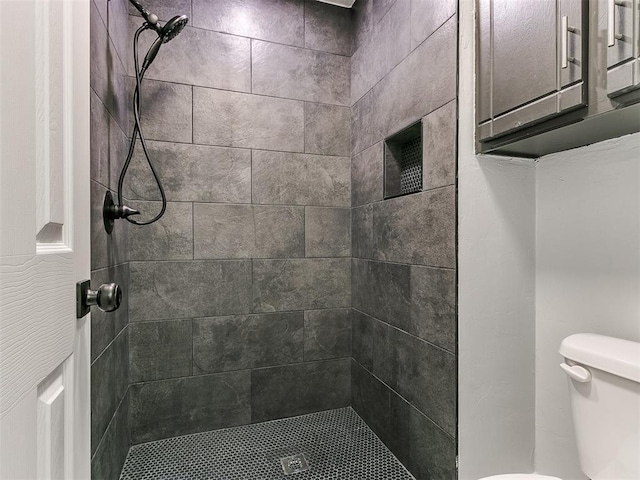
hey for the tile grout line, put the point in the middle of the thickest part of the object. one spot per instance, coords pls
(405, 400)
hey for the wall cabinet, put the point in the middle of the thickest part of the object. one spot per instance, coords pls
(530, 62)
(543, 65)
(623, 46)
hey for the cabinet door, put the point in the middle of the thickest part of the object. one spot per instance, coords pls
(524, 52)
(623, 49)
(530, 62)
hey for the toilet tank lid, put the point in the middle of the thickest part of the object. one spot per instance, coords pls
(614, 355)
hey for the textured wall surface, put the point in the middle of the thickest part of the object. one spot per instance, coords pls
(587, 274)
(240, 295)
(109, 253)
(496, 294)
(403, 278)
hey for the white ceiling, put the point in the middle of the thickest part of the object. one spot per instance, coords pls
(340, 3)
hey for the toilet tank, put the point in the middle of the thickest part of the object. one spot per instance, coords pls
(604, 388)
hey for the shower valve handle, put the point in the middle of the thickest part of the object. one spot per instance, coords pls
(111, 212)
(122, 211)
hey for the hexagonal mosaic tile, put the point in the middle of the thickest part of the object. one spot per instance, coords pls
(337, 444)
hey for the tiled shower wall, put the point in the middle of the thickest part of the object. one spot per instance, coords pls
(240, 296)
(403, 69)
(109, 331)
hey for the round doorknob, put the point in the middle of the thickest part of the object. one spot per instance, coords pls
(107, 298)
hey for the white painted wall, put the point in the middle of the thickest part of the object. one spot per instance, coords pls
(546, 249)
(587, 274)
(496, 295)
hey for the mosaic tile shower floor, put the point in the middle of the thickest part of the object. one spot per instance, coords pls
(337, 445)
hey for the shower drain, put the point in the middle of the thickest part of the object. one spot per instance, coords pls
(294, 464)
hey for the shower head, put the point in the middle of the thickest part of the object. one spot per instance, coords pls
(165, 34)
(173, 27)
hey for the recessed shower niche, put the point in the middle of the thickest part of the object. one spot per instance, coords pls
(403, 162)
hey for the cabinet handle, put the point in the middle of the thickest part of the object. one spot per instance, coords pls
(611, 22)
(565, 42)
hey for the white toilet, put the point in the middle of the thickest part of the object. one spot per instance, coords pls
(604, 386)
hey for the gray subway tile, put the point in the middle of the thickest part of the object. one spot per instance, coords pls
(102, 8)
(103, 395)
(291, 72)
(362, 231)
(327, 129)
(363, 72)
(249, 121)
(108, 144)
(327, 232)
(245, 231)
(362, 334)
(192, 173)
(174, 407)
(424, 449)
(327, 334)
(421, 83)
(433, 306)
(417, 229)
(198, 57)
(427, 16)
(301, 284)
(118, 149)
(292, 179)
(224, 231)
(109, 457)
(109, 382)
(99, 140)
(160, 350)
(327, 27)
(423, 374)
(164, 290)
(367, 175)
(165, 111)
(383, 290)
(248, 341)
(370, 399)
(108, 76)
(318, 386)
(170, 238)
(387, 45)
(361, 23)
(118, 19)
(362, 123)
(380, 9)
(439, 139)
(121, 364)
(385, 364)
(279, 21)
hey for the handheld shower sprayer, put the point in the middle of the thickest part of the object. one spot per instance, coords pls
(166, 33)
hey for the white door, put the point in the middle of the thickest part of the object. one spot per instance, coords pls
(44, 239)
